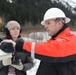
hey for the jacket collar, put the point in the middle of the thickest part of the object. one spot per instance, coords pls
(63, 31)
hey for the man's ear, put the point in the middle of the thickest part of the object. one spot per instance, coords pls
(59, 24)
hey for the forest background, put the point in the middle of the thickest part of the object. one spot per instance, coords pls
(29, 13)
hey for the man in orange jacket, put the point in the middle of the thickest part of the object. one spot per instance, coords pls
(58, 54)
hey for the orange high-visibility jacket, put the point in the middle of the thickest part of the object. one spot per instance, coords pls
(61, 48)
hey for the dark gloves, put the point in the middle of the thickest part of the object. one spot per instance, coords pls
(19, 45)
(21, 56)
(7, 47)
(25, 60)
(19, 40)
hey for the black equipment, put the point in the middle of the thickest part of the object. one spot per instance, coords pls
(8, 48)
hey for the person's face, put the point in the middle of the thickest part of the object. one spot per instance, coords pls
(51, 27)
(14, 32)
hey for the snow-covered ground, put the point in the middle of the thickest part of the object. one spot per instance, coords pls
(38, 37)
(35, 68)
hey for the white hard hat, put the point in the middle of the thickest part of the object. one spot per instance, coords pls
(54, 13)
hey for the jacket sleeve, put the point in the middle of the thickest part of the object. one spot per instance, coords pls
(29, 64)
(56, 51)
